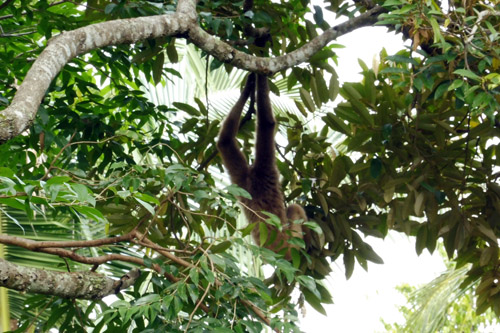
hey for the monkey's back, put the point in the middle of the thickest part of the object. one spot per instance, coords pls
(265, 189)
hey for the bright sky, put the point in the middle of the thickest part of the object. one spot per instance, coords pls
(361, 301)
(368, 296)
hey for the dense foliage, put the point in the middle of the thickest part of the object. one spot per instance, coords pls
(419, 155)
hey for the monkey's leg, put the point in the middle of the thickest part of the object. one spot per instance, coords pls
(265, 158)
(232, 157)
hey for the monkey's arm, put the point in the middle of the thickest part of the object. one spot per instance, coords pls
(266, 124)
(232, 157)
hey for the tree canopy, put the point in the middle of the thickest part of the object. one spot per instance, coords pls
(100, 177)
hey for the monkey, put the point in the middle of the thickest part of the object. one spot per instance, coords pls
(261, 179)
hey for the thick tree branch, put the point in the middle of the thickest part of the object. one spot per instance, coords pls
(61, 49)
(79, 285)
(85, 285)
(33, 245)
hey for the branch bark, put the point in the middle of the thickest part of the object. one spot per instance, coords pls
(183, 23)
(84, 285)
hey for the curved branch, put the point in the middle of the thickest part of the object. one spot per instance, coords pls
(84, 285)
(226, 53)
(64, 47)
(183, 23)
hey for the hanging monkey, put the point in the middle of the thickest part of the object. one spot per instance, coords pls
(261, 179)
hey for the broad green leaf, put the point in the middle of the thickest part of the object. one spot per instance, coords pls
(421, 239)
(306, 99)
(90, 213)
(348, 263)
(467, 73)
(238, 191)
(263, 233)
(146, 205)
(436, 30)
(158, 67)
(367, 253)
(58, 180)
(187, 108)
(313, 301)
(172, 54)
(148, 299)
(221, 247)
(375, 167)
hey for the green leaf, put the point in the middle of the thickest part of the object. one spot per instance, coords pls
(263, 233)
(313, 301)
(402, 59)
(221, 247)
(148, 299)
(158, 67)
(375, 167)
(58, 180)
(313, 226)
(441, 89)
(455, 85)
(6, 172)
(318, 15)
(348, 263)
(172, 54)
(421, 240)
(237, 191)
(187, 108)
(322, 55)
(193, 292)
(354, 98)
(366, 251)
(147, 198)
(90, 213)
(229, 27)
(272, 220)
(436, 30)
(148, 207)
(262, 17)
(467, 73)
(306, 99)
(488, 232)
(336, 124)
(323, 92)
(324, 204)
(334, 87)
(309, 283)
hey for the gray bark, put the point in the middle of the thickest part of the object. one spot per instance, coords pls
(84, 285)
(183, 23)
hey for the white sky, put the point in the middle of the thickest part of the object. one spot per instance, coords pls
(361, 301)
(368, 296)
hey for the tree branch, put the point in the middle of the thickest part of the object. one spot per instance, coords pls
(34, 245)
(5, 4)
(61, 49)
(84, 285)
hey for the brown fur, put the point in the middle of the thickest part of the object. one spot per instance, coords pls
(261, 179)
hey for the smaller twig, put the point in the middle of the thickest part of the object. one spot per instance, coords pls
(38, 314)
(24, 13)
(206, 290)
(244, 120)
(72, 144)
(164, 252)
(57, 157)
(5, 4)
(18, 34)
